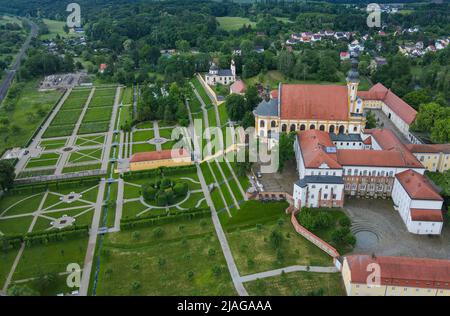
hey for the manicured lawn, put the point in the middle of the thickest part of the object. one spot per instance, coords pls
(6, 262)
(82, 168)
(86, 155)
(58, 130)
(53, 144)
(127, 96)
(223, 114)
(20, 204)
(15, 226)
(212, 118)
(103, 97)
(145, 125)
(185, 260)
(142, 136)
(98, 114)
(90, 140)
(232, 23)
(138, 148)
(201, 91)
(298, 284)
(94, 127)
(30, 100)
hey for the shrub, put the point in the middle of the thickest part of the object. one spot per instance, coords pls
(345, 222)
(180, 189)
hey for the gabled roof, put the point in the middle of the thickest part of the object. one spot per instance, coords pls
(388, 141)
(429, 148)
(321, 102)
(402, 271)
(313, 144)
(238, 87)
(376, 158)
(395, 103)
(417, 186)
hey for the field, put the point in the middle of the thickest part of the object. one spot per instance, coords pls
(182, 258)
(55, 28)
(233, 23)
(249, 233)
(30, 101)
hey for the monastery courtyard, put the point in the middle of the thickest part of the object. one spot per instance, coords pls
(380, 230)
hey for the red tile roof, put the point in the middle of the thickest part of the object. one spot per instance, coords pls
(426, 215)
(402, 271)
(417, 186)
(385, 138)
(388, 141)
(376, 158)
(320, 102)
(313, 144)
(159, 155)
(429, 148)
(395, 103)
(238, 87)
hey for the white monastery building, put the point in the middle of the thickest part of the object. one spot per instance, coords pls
(418, 203)
(221, 76)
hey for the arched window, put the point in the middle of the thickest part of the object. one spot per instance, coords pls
(312, 126)
(262, 123)
(322, 127)
(341, 129)
(292, 129)
(331, 129)
(355, 129)
(269, 133)
(273, 124)
(283, 128)
(302, 127)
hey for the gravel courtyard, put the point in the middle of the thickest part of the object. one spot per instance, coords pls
(380, 230)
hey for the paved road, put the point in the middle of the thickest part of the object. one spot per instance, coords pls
(271, 273)
(88, 260)
(12, 72)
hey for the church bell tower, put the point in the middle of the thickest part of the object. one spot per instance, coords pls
(355, 105)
